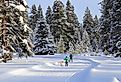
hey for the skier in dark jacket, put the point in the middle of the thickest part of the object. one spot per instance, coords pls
(66, 61)
(71, 57)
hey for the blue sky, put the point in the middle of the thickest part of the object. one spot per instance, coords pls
(80, 6)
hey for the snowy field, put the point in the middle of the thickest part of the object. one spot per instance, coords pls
(48, 69)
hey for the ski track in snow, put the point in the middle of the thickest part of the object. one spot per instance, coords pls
(47, 69)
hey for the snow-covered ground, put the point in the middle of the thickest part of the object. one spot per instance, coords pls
(48, 69)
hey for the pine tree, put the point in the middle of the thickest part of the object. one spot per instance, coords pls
(48, 15)
(57, 17)
(70, 22)
(86, 42)
(41, 34)
(74, 27)
(115, 29)
(96, 37)
(105, 24)
(33, 17)
(88, 22)
(88, 25)
(14, 26)
(110, 26)
(51, 45)
(59, 25)
(27, 30)
(32, 21)
(73, 20)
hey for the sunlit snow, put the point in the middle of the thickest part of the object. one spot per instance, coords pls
(47, 68)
